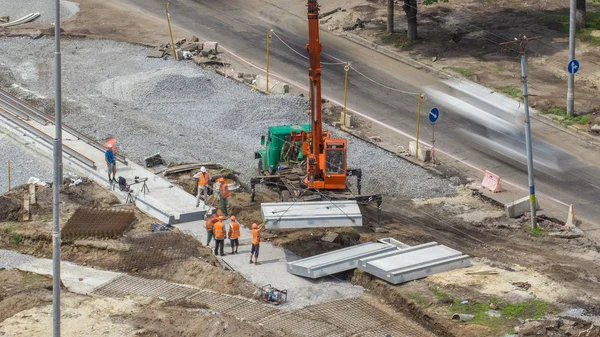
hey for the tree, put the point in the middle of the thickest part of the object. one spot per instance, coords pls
(580, 17)
(390, 16)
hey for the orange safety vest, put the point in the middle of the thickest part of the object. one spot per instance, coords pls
(209, 225)
(235, 230)
(225, 191)
(218, 231)
(255, 237)
(203, 179)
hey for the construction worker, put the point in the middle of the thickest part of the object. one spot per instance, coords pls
(203, 179)
(219, 232)
(234, 234)
(224, 194)
(109, 157)
(256, 232)
(209, 229)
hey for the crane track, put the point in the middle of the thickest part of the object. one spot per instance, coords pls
(26, 112)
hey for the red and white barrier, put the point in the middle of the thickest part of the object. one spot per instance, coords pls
(491, 182)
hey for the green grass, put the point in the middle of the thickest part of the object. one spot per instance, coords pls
(33, 278)
(511, 90)
(535, 232)
(499, 69)
(462, 71)
(398, 40)
(565, 119)
(16, 239)
(422, 301)
(560, 22)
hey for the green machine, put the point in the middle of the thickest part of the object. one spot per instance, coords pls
(280, 147)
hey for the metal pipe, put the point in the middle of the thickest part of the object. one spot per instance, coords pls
(418, 123)
(57, 181)
(171, 32)
(268, 50)
(572, 30)
(532, 207)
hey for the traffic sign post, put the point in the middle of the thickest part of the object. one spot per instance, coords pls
(434, 114)
(573, 67)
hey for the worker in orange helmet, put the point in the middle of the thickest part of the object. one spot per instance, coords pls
(219, 233)
(234, 234)
(224, 194)
(256, 232)
(203, 180)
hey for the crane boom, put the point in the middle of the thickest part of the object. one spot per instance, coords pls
(314, 48)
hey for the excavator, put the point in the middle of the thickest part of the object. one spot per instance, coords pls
(304, 162)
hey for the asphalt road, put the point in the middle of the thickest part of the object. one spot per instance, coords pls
(475, 127)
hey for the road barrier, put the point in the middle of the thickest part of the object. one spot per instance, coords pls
(491, 182)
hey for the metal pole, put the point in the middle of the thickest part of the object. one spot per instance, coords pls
(170, 31)
(433, 143)
(8, 175)
(418, 123)
(532, 207)
(346, 69)
(268, 56)
(57, 181)
(572, 29)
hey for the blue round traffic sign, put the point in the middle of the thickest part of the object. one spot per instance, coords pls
(573, 66)
(434, 114)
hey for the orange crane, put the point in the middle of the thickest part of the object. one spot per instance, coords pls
(326, 156)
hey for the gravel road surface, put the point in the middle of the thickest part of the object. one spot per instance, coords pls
(25, 162)
(17, 9)
(181, 111)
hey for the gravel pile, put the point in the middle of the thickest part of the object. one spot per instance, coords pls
(182, 111)
(25, 163)
(17, 9)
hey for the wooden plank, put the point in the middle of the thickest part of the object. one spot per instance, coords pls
(26, 213)
(32, 199)
(190, 167)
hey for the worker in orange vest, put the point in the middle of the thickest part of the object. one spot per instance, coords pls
(209, 223)
(203, 180)
(224, 194)
(234, 234)
(219, 232)
(256, 232)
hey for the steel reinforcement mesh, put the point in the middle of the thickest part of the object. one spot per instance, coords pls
(97, 222)
(151, 250)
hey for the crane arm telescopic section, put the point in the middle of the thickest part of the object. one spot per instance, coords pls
(314, 48)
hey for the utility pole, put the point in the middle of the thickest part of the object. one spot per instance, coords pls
(522, 41)
(572, 30)
(57, 180)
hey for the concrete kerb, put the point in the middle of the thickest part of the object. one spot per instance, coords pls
(444, 75)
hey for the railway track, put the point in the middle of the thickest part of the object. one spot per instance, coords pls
(21, 114)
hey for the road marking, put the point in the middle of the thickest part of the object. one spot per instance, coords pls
(388, 126)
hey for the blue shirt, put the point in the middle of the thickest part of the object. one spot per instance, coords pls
(110, 156)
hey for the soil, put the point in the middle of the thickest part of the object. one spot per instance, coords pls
(21, 291)
(462, 38)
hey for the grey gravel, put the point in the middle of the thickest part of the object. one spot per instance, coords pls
(10, 259)
(111, 89)
(17, 9)
(579, 313)
(25, 162)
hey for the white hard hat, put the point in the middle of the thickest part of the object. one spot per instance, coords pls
(109, 146)
(203, 169)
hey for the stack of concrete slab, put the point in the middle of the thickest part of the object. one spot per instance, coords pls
(388, 259)
(311, 214)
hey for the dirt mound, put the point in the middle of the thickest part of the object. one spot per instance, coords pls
(21, 291)
(10, 210)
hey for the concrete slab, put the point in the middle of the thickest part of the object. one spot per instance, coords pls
(412, 263)
(273, 270)
(165, 201)
(337, 261)
(519, 207)
(313, 214)
(78, 279)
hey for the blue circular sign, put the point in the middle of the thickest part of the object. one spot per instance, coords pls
(434, 114)
(573, 66)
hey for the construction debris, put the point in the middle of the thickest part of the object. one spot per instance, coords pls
(328, 13)
(154, 160)
(27, 18)
(190, 167)
(4, 19)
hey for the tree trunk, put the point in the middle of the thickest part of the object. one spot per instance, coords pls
(390, 16)
(410, 8)
(580, 16)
